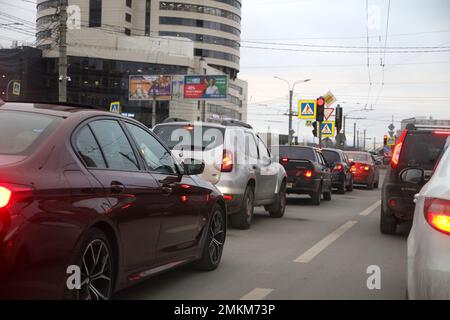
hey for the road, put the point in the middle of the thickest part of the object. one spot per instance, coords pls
(312, 253)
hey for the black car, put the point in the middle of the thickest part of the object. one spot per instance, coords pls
(99, 193)
(342, 177)
(308, 172)
(417, 147)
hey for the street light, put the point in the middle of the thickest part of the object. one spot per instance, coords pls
(291, 95)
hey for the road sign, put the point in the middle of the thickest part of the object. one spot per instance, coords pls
(391, 141)
(329, 98)
(16, 88)
(307, 109)
(391, 133)
(391, 127)
(328, 128)
(308, 123)
(328, 113)
(115, 107)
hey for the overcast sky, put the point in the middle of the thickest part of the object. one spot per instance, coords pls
(415, 83)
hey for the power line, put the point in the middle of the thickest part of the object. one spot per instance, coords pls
(342, 51)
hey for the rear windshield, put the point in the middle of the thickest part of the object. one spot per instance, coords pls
(359, 157)
(22, 132)
(422, 149)
(331, 156)
(183, 137)
(297, 153)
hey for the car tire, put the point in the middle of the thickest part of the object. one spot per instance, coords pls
(350, 186)
(277, 209)
(215, 238)
(327, 195)
(101, 288)
(341, 189)
(376, 185)
(388, 225)
(370, 185)
(316, 197)
(243, 219)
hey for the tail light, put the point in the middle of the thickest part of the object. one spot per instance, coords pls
(308, 173)
(398, 149)
(353, 169)
(442, 132)
(284, 160)
(437, 213)
(227, 161)
(366, 168)
(12, 193)
(338, 167)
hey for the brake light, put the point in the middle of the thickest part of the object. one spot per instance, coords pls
(284, 160)
(5, 196)
(228, 197)
(437, 214)
(308, 173)
(398, 149)
(442, 132)
(227, 161)
(366, 168)
(189, 128)
(353, 169)
(338, 167)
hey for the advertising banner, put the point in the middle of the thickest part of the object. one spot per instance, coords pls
(214, 87)
(147, 88)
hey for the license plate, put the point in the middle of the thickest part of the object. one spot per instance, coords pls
(289, 185)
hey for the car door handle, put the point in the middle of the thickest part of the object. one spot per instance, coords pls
(117, 187)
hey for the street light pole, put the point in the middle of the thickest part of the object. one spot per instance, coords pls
(291, 97)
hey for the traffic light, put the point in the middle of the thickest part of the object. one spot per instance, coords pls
(315, 126)
(385, 140)
(339, 118)
(320, 109)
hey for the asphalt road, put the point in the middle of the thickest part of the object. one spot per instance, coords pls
(312, 253)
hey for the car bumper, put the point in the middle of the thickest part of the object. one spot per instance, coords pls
(233, 189)
(302, 186)
(397, 204)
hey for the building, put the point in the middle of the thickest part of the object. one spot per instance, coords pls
(107, 41)
(424, 121)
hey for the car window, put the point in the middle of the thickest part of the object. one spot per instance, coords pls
(359, 157)
(263, 152)
(297, 153)
(114, 143)
(88, 149)
(251, 149)
(332, 157)
(23, 131)
(157, 157)
(421, 149)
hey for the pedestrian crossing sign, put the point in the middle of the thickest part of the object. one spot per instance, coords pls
(328, 128)
(307, 109)
(115, 107)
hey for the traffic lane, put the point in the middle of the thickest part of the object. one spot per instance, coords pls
(257, 258)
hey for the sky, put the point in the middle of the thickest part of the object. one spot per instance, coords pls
(415, 84)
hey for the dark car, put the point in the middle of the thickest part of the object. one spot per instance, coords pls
(342, 177)
(96, 194)
(417, 147)
(307, 172)
(366, 171)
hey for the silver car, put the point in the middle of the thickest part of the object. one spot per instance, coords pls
(237, 162)
(429, 240)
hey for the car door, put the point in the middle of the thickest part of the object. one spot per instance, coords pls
(252, 162)
(326, 171)
(132, 193)
(181, 200)
(268, 177)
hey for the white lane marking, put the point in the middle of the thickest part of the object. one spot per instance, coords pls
(325, 242)
(257, 294)
(370, 209)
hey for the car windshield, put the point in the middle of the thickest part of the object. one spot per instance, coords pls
(332, 157)
(24, 131)
(359, 157)
(297, 153)
(185, 137)
(422, 149)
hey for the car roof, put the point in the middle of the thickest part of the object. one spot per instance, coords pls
(57, 110)
(333, 150)
(187, 123)
(304, 147)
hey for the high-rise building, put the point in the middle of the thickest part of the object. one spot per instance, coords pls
(109, 40)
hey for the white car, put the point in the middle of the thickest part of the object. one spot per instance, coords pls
(429, 240)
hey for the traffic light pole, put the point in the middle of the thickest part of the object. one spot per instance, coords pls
(291, 97)
(320, 134)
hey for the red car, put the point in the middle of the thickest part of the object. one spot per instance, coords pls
(365, 170)
(98, 193)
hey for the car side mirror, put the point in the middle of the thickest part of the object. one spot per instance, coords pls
(193, 167)
(413, 176)
(386, 161)
(266, 161)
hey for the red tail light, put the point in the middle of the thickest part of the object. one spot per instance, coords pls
(366, 168)
(353, 169)
(442, 132)
(227, 161)
(5, 196)
(284, 160)
(398, 149)
(338, 167)
(437, 213)
(308, 173)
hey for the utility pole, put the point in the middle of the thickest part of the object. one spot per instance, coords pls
(364, 143)
(357, 139)
(63, 51)
(354, 135)
(374, 144)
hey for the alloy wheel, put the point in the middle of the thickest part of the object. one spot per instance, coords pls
(216, 237)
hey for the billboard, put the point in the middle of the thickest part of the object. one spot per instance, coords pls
(147, 88)
(214, 87)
